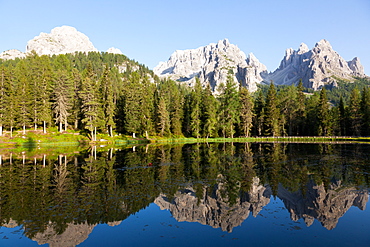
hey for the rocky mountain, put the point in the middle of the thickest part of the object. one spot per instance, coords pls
(60, 40)
(214, 208)
(326, 205)
(316, 67)
(212, 64)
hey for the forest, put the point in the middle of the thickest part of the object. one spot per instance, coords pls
(108, 93)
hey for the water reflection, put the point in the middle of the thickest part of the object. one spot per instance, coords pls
(59, 199)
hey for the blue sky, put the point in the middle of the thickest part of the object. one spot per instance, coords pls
(150, 31)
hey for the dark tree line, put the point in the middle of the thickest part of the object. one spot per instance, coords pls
(108, 93)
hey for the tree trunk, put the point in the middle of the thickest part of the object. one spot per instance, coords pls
(94, 133)
(110, 131)
(44, 127)
(1, 130)
(65, 125)
(24, 129)
(11, 131)
(35, 126)
(60, 127)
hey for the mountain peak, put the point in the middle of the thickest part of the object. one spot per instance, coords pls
(212, 64)
(60, 40)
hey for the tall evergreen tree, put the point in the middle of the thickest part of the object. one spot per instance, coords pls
(365, 110)
(195, 115)
(229, 107)
(355, 114)
(323, 115)
(107, 100)
(163, 118)
(259, 114)
(271, 112)
(23, 95)
(209, 113)
(246, 111)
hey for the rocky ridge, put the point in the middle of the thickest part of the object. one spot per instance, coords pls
(316, 67)
(212, 64)
(61, 40)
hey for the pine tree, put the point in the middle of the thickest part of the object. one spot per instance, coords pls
(259, 114)
(23, 95)
(229, 107)
(355, 114)
(365, 110)
(209, 110)
(323, 115)
(271, 112)
(4, 81)
(301, 109)
(62, 99)
(163, 118)
(90, 106)
(246, 111)
(107, 100)
(195, 115)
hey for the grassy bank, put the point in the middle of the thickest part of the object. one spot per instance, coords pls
(33, 139)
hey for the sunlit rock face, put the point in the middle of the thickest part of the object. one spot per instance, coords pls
(316, 68)
(212, 64)
(114, 50)
(60, 40)
(214, 208)
(12, 54)
(326, 205)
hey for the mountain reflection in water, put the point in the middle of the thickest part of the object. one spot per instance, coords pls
(60, 199)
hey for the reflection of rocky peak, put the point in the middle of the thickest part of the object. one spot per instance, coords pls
(72, 236)
(325, 205)
(214, 209)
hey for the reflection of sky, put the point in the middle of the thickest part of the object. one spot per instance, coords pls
(272, 226)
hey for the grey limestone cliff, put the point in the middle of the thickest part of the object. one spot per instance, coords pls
(212, 64)
(316, 67)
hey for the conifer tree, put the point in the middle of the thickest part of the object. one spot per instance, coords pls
(209, 110)
(355, 114)
(229, 107)
(163, 118)
(90, 106)
(246, 111)
(107, 100)
(323, 115)
(23, 95)
(195, 115)
(301, 109)
(259, 114)
(4, 81)
(365, 110)
(271, 112)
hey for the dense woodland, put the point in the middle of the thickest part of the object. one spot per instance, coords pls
(109, 93)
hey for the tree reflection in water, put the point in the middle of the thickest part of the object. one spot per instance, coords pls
(61, 198)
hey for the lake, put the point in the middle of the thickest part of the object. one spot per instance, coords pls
(209, 194)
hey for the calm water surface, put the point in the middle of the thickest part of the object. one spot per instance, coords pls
(224, 194)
